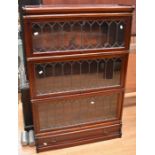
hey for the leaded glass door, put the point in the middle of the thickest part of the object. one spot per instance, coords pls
(70, 112)
(74, 76)
(77, 35)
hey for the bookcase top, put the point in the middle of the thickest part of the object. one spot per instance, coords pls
(77, 8)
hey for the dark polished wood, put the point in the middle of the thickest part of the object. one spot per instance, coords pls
(28, 20)
(76, 8)
(73, 58)
(79, 137)
(67, 126)
(65, 111)
(92, 2)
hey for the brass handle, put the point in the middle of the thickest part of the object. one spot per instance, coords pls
(92, 102)
(45, 144)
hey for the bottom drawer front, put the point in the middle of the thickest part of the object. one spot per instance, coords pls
(62, 113)
(79, 136)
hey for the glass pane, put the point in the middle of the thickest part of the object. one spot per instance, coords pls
(77, 75)
(112, 31)
(74, 35)
(70, 112)
(121, 27)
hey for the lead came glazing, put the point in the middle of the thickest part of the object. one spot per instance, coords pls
(70, 112)
(77, 75)
(76, 35)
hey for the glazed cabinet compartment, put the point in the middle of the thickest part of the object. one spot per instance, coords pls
(77, 75)
(76, 110)
(76, 57)
(78, 137)
(57, 35)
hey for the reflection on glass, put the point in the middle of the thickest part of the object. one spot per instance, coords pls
(74, 35)
(70, 112)
(77, 75)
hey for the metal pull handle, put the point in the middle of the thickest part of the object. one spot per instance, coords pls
(92, 102)
(45, 144)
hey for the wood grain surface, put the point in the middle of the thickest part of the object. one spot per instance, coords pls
(120, 146)
(127, 2)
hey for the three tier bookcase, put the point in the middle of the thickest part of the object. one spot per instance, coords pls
(76, 59)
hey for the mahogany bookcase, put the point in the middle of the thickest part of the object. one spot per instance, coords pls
(76, 58)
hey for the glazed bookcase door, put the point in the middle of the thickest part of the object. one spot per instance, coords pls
(75, 35)
(76, 76)
(62, 113)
